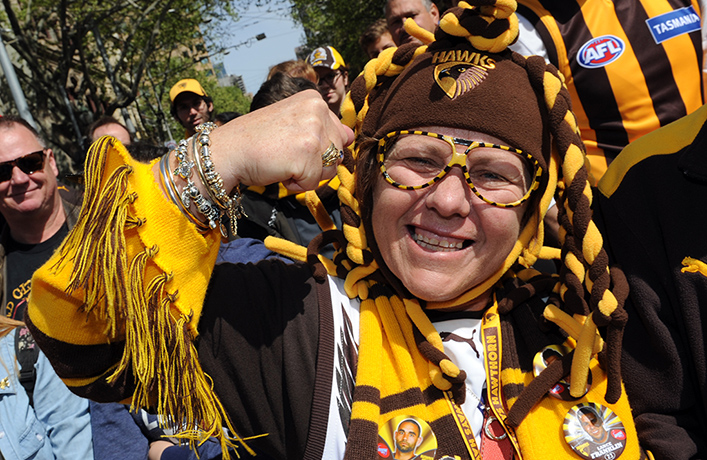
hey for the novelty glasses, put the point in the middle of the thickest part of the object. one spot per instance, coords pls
(28, 164)
(500, 175)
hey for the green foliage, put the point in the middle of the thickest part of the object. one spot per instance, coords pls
(227, 98)
(80, 59)
(338, 23)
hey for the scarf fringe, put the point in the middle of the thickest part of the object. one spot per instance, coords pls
(158, 344)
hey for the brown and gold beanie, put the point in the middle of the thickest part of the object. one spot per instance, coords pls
(456, 86)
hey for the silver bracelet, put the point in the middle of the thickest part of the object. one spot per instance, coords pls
(190, 193)
(230, 205)
(168, 184)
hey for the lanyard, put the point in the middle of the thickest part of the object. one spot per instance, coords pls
(491, 336)
(463, 426)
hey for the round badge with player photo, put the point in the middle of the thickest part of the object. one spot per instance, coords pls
(544, 358)
(406, 437)
(594, 432)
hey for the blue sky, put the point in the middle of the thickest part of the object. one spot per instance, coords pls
(253, 60)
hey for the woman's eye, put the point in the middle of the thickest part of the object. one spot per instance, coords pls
(421, 162)
(492, 176)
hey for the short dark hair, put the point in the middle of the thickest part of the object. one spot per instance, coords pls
(225, 117)
(372, 34)
(591, 413)
(414, 422)
(145, 152)
(279, 87)
(102, 121)
(173, 108)
(8, 121)
(548, 352)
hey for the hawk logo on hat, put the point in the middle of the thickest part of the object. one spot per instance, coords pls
(456, 78)
(318, 56)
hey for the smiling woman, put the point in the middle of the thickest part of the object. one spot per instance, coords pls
(429, 316)
(429, 235)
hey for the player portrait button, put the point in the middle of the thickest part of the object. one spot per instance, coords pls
(594, 432)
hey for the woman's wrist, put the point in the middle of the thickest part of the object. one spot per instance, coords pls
(189, 179)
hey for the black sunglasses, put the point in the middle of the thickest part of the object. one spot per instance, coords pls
(27, 163)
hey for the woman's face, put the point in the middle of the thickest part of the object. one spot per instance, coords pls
(443, 240)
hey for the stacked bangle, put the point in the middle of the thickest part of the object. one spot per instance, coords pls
(220, 207)
(230, 205)
(168, 184)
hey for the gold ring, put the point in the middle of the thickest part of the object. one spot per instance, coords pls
(331, 155)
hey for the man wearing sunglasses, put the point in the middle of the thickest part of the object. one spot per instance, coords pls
(37, 220)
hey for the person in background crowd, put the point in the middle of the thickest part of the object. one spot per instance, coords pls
(277, 88)
(39, 417)
(631, 66)
(108, 126)
(295, 68)
(376, 38)
(423, 12)
(274, 210)
(333, 75)
(191, 106)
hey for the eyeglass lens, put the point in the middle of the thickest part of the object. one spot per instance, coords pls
(498, 175)
(28, 164)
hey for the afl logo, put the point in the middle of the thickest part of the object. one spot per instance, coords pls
(383, 450)
(600, 51)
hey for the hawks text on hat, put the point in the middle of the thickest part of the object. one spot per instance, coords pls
(460, 71)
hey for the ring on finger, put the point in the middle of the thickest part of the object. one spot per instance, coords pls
(331, 155)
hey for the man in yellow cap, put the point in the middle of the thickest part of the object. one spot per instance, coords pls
(333, 75)
(191, 106)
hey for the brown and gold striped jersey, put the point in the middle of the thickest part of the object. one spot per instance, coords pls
(631, 66)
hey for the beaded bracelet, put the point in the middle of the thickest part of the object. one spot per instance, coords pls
(232, 205)
(191, 193)
(167, 179)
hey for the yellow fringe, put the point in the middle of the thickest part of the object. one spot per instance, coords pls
(158, 346)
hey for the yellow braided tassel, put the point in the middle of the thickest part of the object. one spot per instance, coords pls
(411, 27)
(286, 248)
(317, 209)
(582, 354)
(354, 285)
(501, 10)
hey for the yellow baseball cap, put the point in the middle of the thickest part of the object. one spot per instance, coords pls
(187, 85)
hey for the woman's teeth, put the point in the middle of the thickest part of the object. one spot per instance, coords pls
(435, 244)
